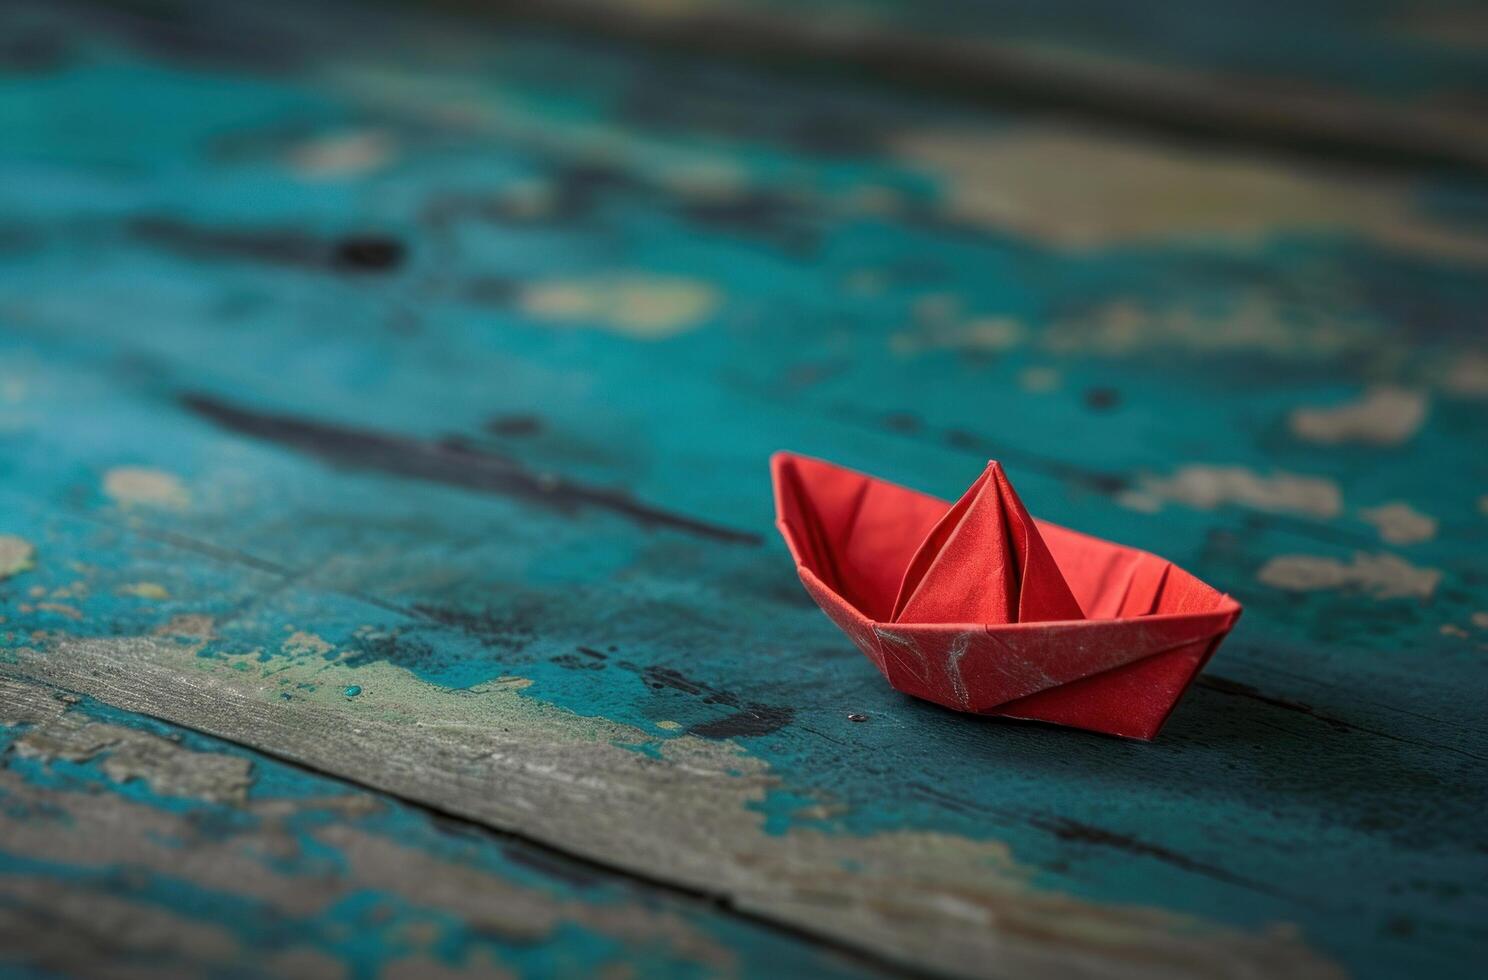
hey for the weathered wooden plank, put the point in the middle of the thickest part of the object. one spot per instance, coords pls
(1394, 84)
(274, 514)
(132, 848)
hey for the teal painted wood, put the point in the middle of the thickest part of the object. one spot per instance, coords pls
(430, 363)
(133, 845)
(1389, 48)
(1386, 82)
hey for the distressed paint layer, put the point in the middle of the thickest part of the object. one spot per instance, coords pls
(1081, 191)
(141, 486)
(16, 555)
(645, 307)
(926, 898)
(1384, 416)
(301, 875)
(1382, 575)
(1207, 487)
(1400, 523)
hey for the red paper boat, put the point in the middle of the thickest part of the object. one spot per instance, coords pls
(979, 607)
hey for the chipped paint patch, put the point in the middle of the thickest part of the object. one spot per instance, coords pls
(128, 754)
(978, 335)
(1079, 190)
(644, 307)
(1400, 523)
(139, 486)
(344, 154)
(1381, 575)
(61, 609)
(1038, 379)
(1208, 487)
(145, 590)
(193, 626)
(301, 643)
(1383, 416)
(1467, 376)
(17, 555)
(1255, 323)
(1480, 620)
(669, 726)
(528, 199)
(506, 682)
(716, 179)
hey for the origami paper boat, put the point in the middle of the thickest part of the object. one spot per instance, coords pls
(979, 607)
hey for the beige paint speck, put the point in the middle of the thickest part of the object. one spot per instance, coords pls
(939, 330)
(1078, 189)
(1480, 620)
(1254, 322)
(302, 643)
(1381, 575)
(16, 555)
(506, 682)
(1383, 416)
(1038, 379)
(196, 626)
(528, 199)
(140, 486)
(1400, 523)
(1452, 629)
(145, 590)
(343, 154)
(1207, 487)
(61, 609)
(669, 726)
(718, 179)
(1467, 376)
(645, 307)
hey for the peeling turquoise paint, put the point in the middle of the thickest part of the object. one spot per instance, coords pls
(365, 929)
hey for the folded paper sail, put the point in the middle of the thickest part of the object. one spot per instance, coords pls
(979, 607)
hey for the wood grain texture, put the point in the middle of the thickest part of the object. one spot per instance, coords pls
(134, 848)
(397, 402)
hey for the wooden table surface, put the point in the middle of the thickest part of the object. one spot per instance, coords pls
(387, 568)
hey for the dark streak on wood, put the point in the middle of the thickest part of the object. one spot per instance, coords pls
(1083, 833)
(452, 465)
(751, 719)
(514, 425)
(508, 632)
(194, 33)
(31, 53)
(1225, 686)
(909, 425)
(577, 191)
(277, 246)
(756, 719)
(549, 865)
